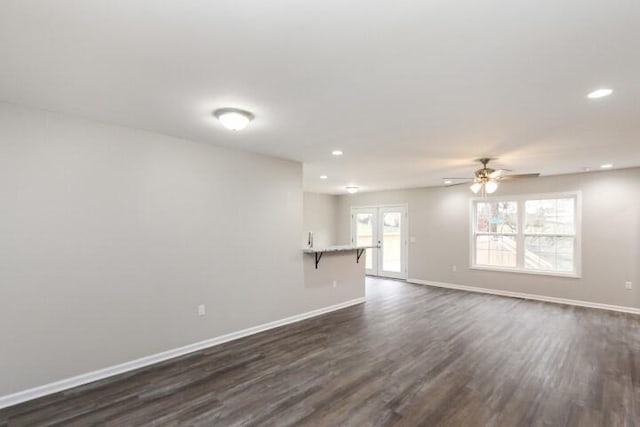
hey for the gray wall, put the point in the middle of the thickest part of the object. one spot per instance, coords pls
(321, 217)
(337, 271)
(110, 237)
(439, 221)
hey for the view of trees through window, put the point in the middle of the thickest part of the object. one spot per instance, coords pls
(392, 242)
(550, 234)
(496, 228)
(390, 237)
(545, 241)
(364, 222)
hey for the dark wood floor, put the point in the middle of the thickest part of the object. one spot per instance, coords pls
(411, 356)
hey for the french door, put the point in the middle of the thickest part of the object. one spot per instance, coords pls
(385, 226)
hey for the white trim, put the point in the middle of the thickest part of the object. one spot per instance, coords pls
(391, 205)
(65, 384)
(376, 264)
(529, 196)
(522, 271)
(535, 297)
(375, 240)
(520, 235)
(404, 241)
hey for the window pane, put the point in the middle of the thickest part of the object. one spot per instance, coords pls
(549, 253)
(496, 251)
(552, 216)
(391, 242)
(497, 217)
(364, 235)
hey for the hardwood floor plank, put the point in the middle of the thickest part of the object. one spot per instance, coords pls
(411, 355)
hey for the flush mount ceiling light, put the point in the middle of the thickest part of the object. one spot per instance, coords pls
(351, 189)
(606, 166)
(233, 118)
(323, 177)
(337, 152)
(599, 93)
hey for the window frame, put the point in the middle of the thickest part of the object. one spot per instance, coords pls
(520, 233)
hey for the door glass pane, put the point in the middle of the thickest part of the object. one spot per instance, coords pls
(364, 236)
(391, 242)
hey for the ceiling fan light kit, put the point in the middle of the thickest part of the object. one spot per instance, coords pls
(486, 179)
(489, 186)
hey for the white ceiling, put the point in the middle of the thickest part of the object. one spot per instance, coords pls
(411, 90)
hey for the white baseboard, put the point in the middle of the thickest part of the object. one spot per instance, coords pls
(34, 393)
(528, 296)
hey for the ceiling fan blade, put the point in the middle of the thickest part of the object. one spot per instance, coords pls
(466, 177)
(520, 176)
(498, 172)
(459, 183)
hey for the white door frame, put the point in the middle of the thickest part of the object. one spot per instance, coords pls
(374, 231)
(377, 264)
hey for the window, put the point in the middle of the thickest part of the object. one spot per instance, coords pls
(534, 234)
(496, 233)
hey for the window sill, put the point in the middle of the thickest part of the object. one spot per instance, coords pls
(522, 271)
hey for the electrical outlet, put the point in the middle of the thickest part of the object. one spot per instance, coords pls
(202, 310)
(454, 268)
(628, 285)
(335, 283)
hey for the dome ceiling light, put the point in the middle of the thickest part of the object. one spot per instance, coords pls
(233, 119)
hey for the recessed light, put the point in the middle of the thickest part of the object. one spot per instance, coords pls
(323, 177)
(447, 182)
(351, 189)
(599, 93)
(606, 166)
(336, 153)
(233, 118)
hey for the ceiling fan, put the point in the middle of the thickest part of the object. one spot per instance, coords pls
(487, 179)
